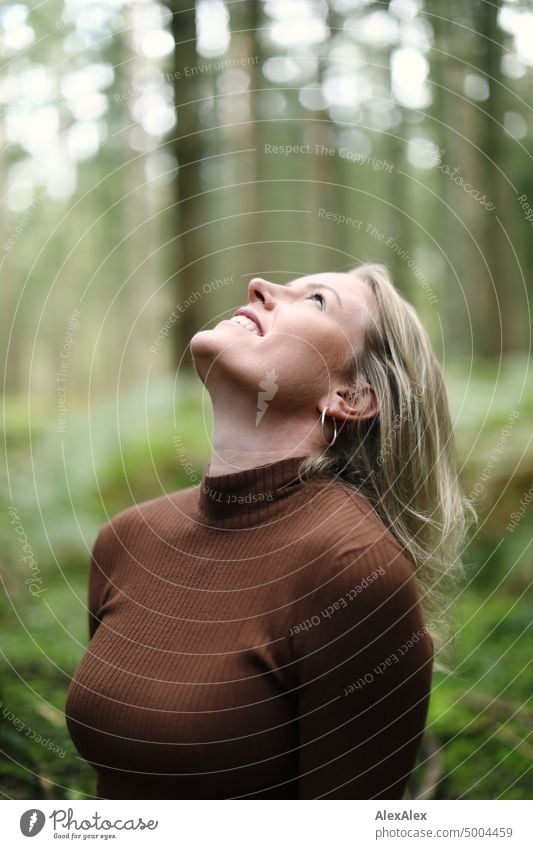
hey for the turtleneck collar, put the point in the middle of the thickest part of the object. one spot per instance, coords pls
(248, 497)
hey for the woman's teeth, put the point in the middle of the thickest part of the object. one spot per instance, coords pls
(247, 323)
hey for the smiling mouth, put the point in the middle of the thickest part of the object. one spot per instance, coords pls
(247, 323)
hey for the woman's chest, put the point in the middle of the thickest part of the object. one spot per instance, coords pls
(162, 690)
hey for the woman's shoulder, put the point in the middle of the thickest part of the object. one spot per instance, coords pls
(153, 514)
(352, 556)
(346, 516)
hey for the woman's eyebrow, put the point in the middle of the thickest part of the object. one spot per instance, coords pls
(318, 286)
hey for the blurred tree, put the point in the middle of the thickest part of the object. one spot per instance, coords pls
(469, 103)
(446, 109)
(246, 21)
(399, 214)
(323, 188)
(189, 149)
(504, 329)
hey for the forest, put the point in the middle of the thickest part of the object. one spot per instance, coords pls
(158, 155)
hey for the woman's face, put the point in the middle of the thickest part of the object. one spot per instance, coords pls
(308, 329)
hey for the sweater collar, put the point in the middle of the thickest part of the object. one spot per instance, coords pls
(248, 497)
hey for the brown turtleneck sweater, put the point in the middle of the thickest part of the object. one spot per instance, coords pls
(251, 637)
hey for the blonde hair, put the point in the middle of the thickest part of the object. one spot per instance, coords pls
(403, 459)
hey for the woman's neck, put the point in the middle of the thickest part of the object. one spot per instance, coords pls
(248, 434)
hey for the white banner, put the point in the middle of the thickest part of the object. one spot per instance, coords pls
(203, 824)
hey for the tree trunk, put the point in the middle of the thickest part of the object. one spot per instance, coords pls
(504, 333)
(189, 150)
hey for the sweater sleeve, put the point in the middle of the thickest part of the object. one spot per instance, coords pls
(363, 661)
(99, 582)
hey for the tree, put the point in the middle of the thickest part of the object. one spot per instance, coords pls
(189, 151)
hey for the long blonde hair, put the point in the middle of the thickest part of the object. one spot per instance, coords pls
(403, 459)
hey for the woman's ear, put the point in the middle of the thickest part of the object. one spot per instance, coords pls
(353, 404)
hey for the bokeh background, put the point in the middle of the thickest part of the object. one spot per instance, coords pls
(155, 157)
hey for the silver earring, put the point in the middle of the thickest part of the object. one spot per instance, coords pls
(322, 422)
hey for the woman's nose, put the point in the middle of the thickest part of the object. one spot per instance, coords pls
(261, 290)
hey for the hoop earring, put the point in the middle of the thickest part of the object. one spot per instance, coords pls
(322, 422)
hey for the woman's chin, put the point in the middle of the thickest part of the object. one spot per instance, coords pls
(204, 342)
(210, 341)
(206, 345)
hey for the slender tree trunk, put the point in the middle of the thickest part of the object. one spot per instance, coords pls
(255, 193)
(189, 150)
(446, 74)
(247, 135)
(322, 173)
(503, 328)
(140, 316)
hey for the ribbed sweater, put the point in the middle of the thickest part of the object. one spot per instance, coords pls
(252, 636)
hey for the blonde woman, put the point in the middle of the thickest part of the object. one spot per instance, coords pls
(271, 632)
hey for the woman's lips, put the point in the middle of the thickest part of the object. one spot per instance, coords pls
(245, 323)
(249, 314)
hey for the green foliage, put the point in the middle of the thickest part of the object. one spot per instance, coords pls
(480, 714)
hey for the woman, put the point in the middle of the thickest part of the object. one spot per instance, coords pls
(266, 633)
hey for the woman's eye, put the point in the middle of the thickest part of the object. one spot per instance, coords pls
(321, 299)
